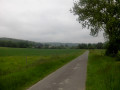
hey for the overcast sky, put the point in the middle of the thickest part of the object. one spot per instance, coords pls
(42, 21)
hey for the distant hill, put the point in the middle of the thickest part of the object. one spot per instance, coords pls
(18, 43)
(35, 44)
(50, 43)
(11, 39)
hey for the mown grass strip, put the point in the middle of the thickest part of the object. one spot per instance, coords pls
(103, 72)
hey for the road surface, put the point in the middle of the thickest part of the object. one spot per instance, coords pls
(72, 76)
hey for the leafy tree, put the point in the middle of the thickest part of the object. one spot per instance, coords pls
(91, 46)
(101, 15)
(82, 46)
(99, 45)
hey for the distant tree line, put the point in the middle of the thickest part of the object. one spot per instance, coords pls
(29, 44)
(49, 46)
(18, 44)
(6, 42)
(91, 46)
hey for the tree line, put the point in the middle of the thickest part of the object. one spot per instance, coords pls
(18, 44)
(91, 46)
(30, 44)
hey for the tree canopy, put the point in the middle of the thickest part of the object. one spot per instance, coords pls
(101, 15)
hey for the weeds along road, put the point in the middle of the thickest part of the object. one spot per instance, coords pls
(72, 76)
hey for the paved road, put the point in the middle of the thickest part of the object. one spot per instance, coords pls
(72, 76)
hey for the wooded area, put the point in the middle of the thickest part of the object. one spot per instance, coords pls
(7, 42)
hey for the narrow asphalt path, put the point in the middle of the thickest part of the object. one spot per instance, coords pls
(72, 76)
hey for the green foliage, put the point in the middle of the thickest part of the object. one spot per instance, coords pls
(16, 43)
(16, 74)
(101, 15)
(103, 72)
(91, 46)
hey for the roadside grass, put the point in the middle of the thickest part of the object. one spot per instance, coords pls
(103, 72)
(16, 74)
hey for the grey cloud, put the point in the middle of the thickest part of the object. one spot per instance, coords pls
(42, 20)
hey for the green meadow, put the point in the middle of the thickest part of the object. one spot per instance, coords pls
(103, 72)
(22, 67)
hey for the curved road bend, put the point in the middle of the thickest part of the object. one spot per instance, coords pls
(72, 76)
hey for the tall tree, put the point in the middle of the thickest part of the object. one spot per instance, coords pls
(101, 15)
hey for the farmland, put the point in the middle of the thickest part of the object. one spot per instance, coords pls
(20, 68)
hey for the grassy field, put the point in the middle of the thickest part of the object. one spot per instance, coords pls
(17, 74)
(103, 72)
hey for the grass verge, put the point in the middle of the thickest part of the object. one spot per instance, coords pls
(103, 72)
